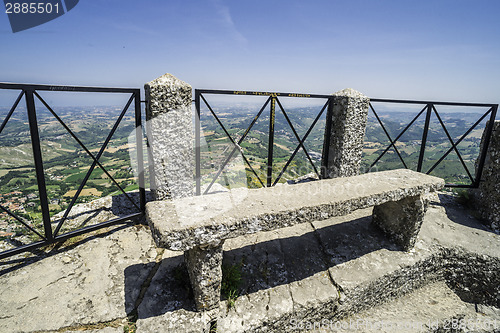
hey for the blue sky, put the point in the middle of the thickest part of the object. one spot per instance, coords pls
(433, 50)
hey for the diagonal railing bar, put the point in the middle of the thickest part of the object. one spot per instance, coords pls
(16, 103)
(302, 141)
(38, 161)
(459, 140)
(452, 143)
(393, 143)
(425, 134)
(89, 172)
(236, 145)
(399, 136)
(21, 221)
(84, 148)
(301, 144)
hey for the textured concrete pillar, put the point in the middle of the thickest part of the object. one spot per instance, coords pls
(401, 220)
(487, 196)
(170, 136)
(343, 144)
(204, 264)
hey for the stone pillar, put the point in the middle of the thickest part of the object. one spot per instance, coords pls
(344, 138)
(487, 196)
(204, 264)
(170, 136)
(401, 220)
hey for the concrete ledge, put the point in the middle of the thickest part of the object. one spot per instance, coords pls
(185, 223)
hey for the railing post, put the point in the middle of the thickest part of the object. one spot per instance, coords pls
(139, 149)
(270, 150)
(37, 157)
(424, 137)
(197, 143)
(344, 134)
(487, 195)
(170, 135)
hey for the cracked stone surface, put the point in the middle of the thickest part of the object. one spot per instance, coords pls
(185, 223)
(102, 330)
(92, 283)
(357, 268)
(426, 309)
(168, 305)
(331, 269)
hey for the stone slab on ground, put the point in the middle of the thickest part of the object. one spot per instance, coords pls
(313, 271)
(91, 283)
(340, 266)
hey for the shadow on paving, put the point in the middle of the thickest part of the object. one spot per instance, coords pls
(30, 257)
(462, 215)
(292, 256)
(117, 206)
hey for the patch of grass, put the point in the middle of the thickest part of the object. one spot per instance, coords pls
(130, 328)
(131, 325)
(231, 280)
(464, 198)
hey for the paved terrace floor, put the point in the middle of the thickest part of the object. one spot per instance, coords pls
(324, 276)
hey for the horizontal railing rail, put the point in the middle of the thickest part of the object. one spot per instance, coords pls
(30, 92)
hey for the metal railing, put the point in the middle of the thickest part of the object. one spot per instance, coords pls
(49, 235)
(429, 108)
(272, 101)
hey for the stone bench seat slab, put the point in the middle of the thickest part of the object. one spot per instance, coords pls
(183, 224)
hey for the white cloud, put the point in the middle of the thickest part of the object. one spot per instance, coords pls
(227, 22)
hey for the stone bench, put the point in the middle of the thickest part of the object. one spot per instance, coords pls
(199, 225)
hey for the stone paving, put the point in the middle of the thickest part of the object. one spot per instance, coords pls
(335, 269)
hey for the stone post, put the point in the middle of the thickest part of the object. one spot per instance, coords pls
(344, 134)
(487, 196)
(170, 136)
(401, 220)
(204, 264)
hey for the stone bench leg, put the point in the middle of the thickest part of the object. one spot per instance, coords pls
(401, 220)
(204, 265)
